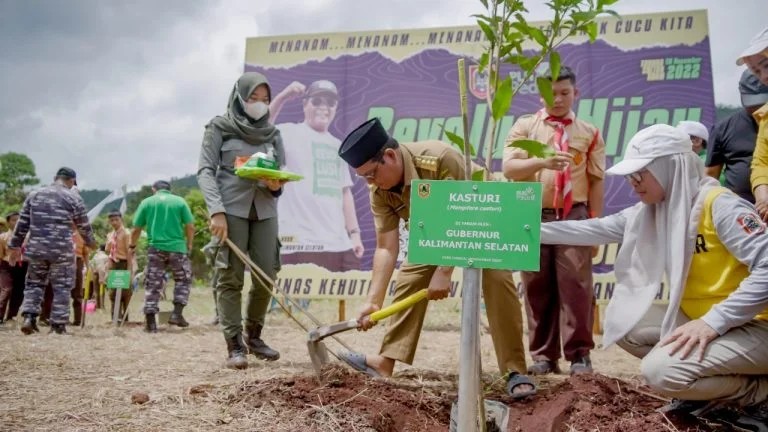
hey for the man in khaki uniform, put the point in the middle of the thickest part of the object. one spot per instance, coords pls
(560, 296)
(389, 168)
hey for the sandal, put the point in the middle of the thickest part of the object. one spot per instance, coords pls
(543, 367)
(516, 379)
(357, 362)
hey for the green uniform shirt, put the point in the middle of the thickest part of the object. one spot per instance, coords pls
(164, 216)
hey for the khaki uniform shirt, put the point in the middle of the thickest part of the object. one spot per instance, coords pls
(120, 238)
(584, 142)
(427, 160)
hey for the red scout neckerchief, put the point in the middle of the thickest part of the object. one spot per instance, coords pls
(563, 179)
(113, 247)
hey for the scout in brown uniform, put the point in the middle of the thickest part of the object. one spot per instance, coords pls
(117, 248)
(389, 168)
(6, 269)
(560, 297)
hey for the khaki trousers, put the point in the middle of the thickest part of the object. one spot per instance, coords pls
(734, 369)
(502, 305)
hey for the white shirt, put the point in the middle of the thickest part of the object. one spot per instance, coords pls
(750, 297)
(310, 211)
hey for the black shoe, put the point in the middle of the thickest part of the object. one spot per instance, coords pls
(177, 318)
(581, 366)
(150, 325)
(682, 406)
(236, 353)
(256, 346)
(754, 418)
(58, 329)
(29, 325)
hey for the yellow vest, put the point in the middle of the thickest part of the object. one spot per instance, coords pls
(714, 272)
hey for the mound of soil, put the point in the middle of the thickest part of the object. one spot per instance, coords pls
(351, 401)
(596, 403)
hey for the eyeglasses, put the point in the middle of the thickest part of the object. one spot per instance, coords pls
(370, 175)
(635, 177)
(318, 101)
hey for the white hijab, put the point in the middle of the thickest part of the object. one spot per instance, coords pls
(658, 239)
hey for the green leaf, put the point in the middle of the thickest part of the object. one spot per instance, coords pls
(478, 175)
(483, 63)
(612, 13)
(545, 90)
(554, 64)
(539, 36)
(502, 100)
(489, 34)
(481, 17)
(459, 142)
(591, 30)
(534, 148)
(485, 3)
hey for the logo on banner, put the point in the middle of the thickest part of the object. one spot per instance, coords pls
(527, 194)
(424, 190)
(478, 82)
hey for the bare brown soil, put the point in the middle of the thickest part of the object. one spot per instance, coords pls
(105, 379)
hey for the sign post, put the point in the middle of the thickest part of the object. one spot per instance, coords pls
(118, 280)
(475, 225)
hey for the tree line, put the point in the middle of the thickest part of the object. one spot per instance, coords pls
(18, 177)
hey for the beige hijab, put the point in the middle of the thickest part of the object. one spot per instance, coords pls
(658, 239)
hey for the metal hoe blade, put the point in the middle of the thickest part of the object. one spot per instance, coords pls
(318, 353)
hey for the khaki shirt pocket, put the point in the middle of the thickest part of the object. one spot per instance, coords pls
(578, 147)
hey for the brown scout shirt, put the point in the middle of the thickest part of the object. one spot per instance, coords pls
(584, 142)
(423, 160)
(122, 237)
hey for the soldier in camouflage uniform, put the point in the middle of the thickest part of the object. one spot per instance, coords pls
(48, 215)
(170, 229)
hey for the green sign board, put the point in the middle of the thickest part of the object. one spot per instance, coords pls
(119, 279)
(475, 224)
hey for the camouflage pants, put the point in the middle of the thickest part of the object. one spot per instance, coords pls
(157, 262)
(61, 274)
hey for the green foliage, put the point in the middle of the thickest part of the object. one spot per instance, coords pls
(459, 142)
(507, 30)
(91, 197)
(196, 203)
(17, 172)
(535, 148)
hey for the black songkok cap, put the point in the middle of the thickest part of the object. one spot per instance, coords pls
(363, 143)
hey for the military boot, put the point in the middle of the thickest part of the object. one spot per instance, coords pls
(236, 351)
(256, 346)
(150, 325)
(177, 318)
(29, 325)
(60, 329)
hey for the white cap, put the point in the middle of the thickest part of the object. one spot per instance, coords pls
(648, 144)
(694, 128)
(758, 44)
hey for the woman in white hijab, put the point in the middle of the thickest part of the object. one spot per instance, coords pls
(712, 344)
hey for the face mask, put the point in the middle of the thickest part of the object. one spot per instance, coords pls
(256, 110)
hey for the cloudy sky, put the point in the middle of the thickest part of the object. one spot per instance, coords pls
(120, 91)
